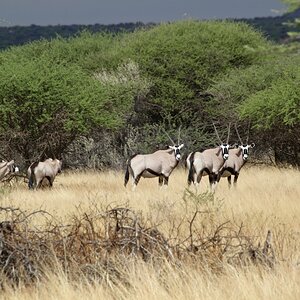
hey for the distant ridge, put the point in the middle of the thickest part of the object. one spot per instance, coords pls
(19, 35)
(272, 27)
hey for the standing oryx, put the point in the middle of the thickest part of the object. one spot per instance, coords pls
(236, 160)
(7, 167)
(160, 164)
(208, 162)
(37, 171)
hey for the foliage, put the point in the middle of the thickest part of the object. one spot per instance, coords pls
(43, 101)
(279, 104)
(134, 86)
(184, 58)
(292, 4)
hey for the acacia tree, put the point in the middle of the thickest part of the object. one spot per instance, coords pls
(44, 105)
(275, 113)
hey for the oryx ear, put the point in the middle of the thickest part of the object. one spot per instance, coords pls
(219, 150)
(252, 145)
(180, 146)
(171, 147)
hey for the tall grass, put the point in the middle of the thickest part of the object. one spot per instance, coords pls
(265, 199)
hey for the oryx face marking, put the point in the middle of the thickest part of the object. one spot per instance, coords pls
(245, 150)
(225, 149)
(176, 149)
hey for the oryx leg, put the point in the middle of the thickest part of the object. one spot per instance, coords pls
(32, 183)
(136, 181)
(50, 179)
(229, 181)
(166, 180)
(213, 180)
(198, 179)
(236, 176)
(38, 183)
(199, 176)
(163, 181)
(160, 180)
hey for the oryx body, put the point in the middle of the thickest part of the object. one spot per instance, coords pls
(37, 171)
(7, 167)
(209, 162)
(158, 164)
(236, 160)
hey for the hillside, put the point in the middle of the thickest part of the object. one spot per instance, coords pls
(272, 27)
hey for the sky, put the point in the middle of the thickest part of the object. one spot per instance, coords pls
(67, 12)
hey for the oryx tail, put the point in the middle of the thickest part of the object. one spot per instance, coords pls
(191, 169)
(128, 167)
(32, 178)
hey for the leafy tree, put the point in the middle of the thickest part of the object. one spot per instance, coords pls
(45, 105)
(268, 96)
(183, 59)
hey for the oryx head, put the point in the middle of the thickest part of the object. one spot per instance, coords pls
(224, 146)
(244, 146)
(225, 150)
(245, 150)
(176, 149)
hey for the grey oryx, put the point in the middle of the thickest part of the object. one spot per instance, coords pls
(159, 164)
(37, 171)
(7, 167)
(236, 160)
(208, 162)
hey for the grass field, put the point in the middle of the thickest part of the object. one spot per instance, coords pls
(265, 199)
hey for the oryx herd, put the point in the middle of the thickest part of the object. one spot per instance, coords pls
(224, 160)
(36, 172)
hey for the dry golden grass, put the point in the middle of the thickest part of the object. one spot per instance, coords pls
(265, 198)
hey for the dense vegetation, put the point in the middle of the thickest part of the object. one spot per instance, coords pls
(108, 96)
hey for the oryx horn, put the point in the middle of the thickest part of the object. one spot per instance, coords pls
(228, 133)
(238, 135)
(248, 132)
(217, 133)
(169, 137)
(178, 139)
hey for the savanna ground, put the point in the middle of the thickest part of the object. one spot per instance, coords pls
(265, 199)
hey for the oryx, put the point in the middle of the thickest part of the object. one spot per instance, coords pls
(236, 160)
(7, 167)
(208, 162)
(37, 171)
(159, 164)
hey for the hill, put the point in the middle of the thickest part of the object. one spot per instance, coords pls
(274, 28)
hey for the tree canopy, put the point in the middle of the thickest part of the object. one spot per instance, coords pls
(184, 74)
